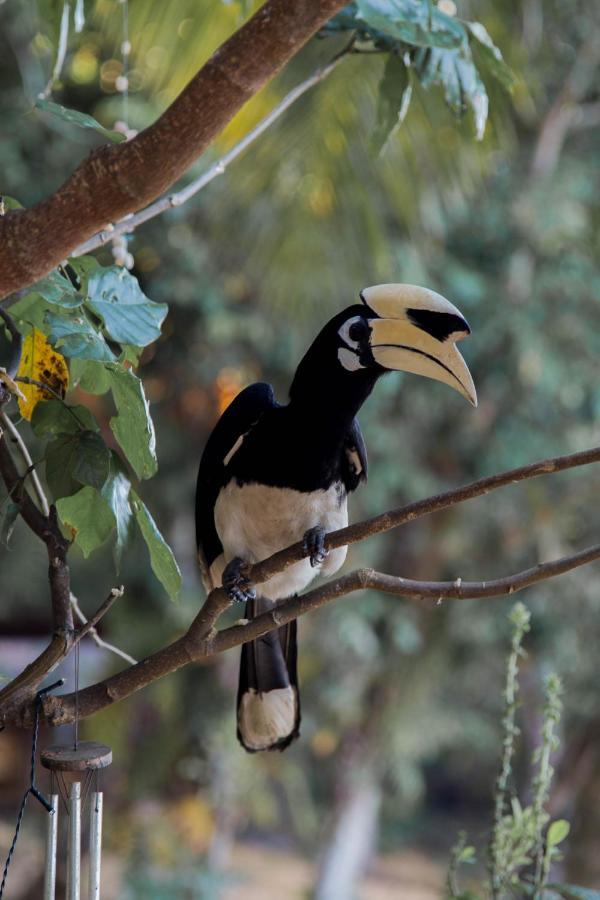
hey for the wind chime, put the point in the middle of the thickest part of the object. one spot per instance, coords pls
(75, 779)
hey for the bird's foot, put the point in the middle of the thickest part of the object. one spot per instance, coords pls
(314, 545)
(236, 582)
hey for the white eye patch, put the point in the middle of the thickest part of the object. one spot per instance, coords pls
(344, 332)
(349, 359)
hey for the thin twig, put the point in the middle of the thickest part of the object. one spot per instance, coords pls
(61, 50)
(93, 634)
(22, 447)
(278, 562)
(170, 201)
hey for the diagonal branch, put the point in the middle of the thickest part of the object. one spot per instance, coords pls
(202, 640)
(170, 201)
(118, 179)
(280, 561)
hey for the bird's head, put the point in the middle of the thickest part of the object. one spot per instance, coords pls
(398, 327)
(405, 328)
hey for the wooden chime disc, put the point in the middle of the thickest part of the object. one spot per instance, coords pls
(88, 755)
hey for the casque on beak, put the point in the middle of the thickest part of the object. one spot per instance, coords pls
(416, 330)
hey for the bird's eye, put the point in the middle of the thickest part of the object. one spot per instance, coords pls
(358, 330)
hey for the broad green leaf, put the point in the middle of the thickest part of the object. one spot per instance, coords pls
(78, 118)
(90, 375)
(53, 417)
(395, 92)
(417, 22)
(30, 312)
(133, 427)
(455, 72)
(60, 457)
(574, 892)
(92, 461)
(75, 336)
(76, 459)
(116, 493)
(87, 518)
(83, 266)
(164, 564)
(129, 317)
(491, 55)
(58, 291)
(11, 203)
(557, 832)
(9, 513)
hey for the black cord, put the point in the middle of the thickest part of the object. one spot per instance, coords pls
(32, 789)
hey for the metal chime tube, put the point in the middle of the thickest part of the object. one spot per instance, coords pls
(51, 838)
(74, 857)
(95, 845)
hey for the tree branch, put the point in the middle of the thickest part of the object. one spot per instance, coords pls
(118, 179)
(130, 223)
(202, 641)
(100, 642)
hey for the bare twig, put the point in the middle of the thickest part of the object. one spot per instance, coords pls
(61, 50)
(26, 456)
(130, 223)
(92, 632)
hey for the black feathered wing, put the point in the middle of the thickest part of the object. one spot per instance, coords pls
(268, 701)
(237, 420)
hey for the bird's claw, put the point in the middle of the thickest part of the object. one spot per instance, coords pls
(314, 545)
(236, 582)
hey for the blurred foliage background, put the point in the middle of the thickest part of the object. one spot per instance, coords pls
(401, 704)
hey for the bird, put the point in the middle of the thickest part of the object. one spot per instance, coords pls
(273, 474)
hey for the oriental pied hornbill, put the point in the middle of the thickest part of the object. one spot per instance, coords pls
(275, 474)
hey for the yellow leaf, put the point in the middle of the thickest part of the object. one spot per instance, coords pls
(41, 362)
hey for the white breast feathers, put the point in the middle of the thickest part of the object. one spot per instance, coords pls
(254, 521)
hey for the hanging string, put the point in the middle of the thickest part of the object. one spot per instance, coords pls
(76, 730)
(32, 789)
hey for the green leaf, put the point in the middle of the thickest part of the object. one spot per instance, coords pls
(83, 266)
(417, 22)
(116, 493)
(9, 513)
(75, 336)
(455, 72)
(133, 427)
(60, 457)
(87, 518)
(58, 291)
(164, 564)
(52, 417)
(78, 118)
(574, 892)
(92, 460)
(557, 832)
(129, 317)
(395, 92)
(90, 375)
(491, 55)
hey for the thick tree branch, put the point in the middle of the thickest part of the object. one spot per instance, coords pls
(202, 640)
(118, 179)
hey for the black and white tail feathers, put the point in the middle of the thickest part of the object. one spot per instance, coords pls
(268, 703)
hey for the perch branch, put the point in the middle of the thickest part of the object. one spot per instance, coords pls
(281, 560)
(202, 640)
(61, 710)
(130, 223)
(118, 179)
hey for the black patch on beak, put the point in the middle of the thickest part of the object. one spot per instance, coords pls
(438, 324)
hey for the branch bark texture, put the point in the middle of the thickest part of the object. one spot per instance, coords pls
(118, 179)
(202, 640)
